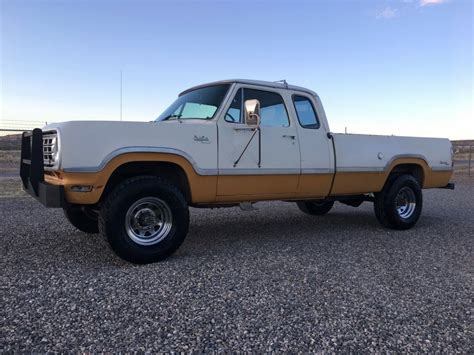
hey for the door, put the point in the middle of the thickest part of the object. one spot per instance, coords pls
(262, 164)
(317, 154)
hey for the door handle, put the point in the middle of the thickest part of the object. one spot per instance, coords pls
(289, 136)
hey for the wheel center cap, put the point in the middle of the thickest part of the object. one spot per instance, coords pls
(146, 218)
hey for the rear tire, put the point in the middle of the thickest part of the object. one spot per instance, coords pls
(399, 204)
(315, 207)
(145, 219)
(82, 219)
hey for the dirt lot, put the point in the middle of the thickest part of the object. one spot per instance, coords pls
(270, 280)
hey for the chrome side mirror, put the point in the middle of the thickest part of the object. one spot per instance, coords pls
(252, 112)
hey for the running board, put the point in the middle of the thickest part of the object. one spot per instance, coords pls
(449, 186)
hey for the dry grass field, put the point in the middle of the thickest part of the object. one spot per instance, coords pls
(9, 169)
(9, 161)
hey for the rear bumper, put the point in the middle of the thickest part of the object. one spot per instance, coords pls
(32, 171)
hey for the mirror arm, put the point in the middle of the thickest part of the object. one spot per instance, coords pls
(259, 147)
(257, 129)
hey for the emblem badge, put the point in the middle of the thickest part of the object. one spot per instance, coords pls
(202, 139)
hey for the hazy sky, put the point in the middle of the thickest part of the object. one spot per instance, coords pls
(384, 67)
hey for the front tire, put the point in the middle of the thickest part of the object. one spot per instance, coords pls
(399, 204)
(316, 207)
(145, 219)
(83, 219)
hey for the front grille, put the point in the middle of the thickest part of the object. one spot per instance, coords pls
(50, 148)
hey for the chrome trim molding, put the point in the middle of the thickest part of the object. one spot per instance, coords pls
(356, 169)
(254, 171)
(401, 156)
(120, 151)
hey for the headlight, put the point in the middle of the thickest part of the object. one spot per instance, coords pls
(50, 150)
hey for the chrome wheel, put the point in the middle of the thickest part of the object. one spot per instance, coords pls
(148, 221)
(405, 202)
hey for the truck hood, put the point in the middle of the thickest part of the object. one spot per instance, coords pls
(87, 146)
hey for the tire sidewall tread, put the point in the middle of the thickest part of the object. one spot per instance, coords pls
(115, 207)
(81, 221)
(385, 203)
(314, 208)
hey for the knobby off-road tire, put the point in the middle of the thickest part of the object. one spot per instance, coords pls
(315, 208)
(84, 221)
(145, 219)
(399, 204)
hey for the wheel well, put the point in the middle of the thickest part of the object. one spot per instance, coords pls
(169, 171)
(414, 170)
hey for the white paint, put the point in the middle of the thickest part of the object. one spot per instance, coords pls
(358, 152)
(213, 146)
(87, 145)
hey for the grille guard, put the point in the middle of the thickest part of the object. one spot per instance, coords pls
(32, 171)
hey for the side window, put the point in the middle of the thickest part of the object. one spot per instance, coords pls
(272, 108)
(305, 112)
(234, 112)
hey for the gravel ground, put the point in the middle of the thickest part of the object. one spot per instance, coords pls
(270, 280)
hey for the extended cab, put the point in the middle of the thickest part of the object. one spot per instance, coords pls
(226, 143)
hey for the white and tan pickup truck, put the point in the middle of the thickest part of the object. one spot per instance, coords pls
(221, 144)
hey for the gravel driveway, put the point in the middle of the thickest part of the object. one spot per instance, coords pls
(270, 280)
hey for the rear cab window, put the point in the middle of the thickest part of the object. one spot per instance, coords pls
(305, 112)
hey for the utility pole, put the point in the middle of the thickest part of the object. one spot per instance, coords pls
(120, 94)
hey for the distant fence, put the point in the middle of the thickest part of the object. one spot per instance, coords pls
(463, 154)
(15, 126)
(10, 132)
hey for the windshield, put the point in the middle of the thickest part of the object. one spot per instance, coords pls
(199, 104)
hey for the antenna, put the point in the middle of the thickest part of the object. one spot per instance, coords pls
(283, 81)
(120, 94)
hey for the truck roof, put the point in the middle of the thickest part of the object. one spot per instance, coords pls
(271, 84)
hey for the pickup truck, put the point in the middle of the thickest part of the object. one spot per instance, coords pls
(226, 143)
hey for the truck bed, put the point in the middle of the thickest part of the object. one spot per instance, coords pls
(364, 161)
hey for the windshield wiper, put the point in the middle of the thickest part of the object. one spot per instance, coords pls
(171, 117)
